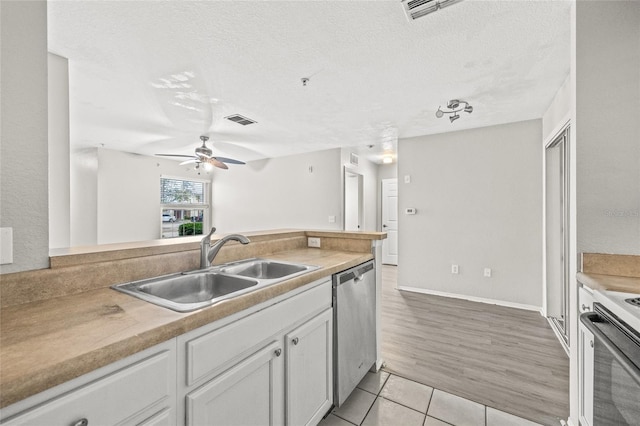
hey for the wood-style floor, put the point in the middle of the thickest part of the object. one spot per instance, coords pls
(505, 358)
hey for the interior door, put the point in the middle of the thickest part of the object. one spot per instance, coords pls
(353, 201)
(390, 221)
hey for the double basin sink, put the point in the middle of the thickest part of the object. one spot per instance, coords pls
(188, 291)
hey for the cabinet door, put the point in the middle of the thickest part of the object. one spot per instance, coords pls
(249, 393)
(310, 370)
(585, 375)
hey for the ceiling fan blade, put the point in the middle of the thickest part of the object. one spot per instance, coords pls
(174, 155)
(229, 160)
(217, 163)
(193, 160)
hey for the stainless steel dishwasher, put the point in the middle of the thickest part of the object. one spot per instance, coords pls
(354, 322)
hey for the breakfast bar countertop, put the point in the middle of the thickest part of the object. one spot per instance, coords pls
(47, 342)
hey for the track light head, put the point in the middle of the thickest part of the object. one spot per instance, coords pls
(468, 109)
(453, 104)
(454, 117)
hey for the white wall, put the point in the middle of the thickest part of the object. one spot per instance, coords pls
(279, 193)
(23, 153)
(83, 198)
(559, 110)
(478, 195)
(369, 172)
(116, 195)
(607, 116)
(59, 155)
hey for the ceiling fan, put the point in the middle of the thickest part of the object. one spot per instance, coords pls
(204, 155)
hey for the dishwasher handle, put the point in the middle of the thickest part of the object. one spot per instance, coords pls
(357, 274)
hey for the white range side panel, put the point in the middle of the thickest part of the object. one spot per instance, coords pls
(478, 195)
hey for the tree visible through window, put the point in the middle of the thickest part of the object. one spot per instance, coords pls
(184, 207)
(174, 191)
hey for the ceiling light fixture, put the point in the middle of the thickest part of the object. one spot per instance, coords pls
(387, 159)
(454, 106)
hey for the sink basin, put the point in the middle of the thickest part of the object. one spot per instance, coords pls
(188, 291)
(265, 269)
(195, 288)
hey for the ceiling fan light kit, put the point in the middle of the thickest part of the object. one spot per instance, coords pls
(454, 107)
(204, 156)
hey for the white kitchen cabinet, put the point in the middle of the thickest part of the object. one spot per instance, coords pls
(137, 390)
(231, 371)
(585, 375)
(235, 371)
(250, 393)
(309, 366)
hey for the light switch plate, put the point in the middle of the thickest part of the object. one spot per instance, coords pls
(6, 246)
(487, 272)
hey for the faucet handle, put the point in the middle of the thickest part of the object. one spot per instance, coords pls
(208, 236)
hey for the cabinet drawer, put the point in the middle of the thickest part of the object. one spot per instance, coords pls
(117, 398)
(217, 350)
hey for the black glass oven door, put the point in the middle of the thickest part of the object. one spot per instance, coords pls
(616, 393)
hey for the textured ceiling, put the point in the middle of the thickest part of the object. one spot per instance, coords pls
(151, 76)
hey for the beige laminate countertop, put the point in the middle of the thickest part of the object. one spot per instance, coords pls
(48, 342)
(609, 282)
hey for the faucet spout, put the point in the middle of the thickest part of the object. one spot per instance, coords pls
(213, 250)
(205, 244)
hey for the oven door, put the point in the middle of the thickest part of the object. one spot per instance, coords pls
(616, 369)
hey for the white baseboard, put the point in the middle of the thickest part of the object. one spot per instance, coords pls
(473, 298)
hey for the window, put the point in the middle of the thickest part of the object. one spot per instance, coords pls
(184, 207)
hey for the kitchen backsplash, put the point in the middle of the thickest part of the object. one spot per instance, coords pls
(622, 265)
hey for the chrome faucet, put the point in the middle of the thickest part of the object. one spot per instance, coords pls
(208, 252)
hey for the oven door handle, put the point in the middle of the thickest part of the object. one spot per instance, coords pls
(588, 318)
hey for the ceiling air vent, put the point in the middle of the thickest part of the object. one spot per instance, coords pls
(418, 8)
(240, 119)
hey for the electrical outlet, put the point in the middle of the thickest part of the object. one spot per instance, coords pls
(332, 219)
(313, 242)
(487, 272)
(454, 269)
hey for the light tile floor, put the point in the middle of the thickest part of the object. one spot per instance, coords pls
(383, 399)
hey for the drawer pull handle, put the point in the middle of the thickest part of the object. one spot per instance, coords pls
(81, 422)
(295, 341)
(585, 307)
(278, 352)
(591, 343)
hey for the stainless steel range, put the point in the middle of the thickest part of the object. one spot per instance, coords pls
(615, 325)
